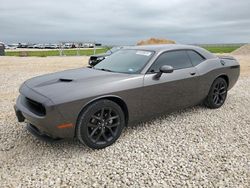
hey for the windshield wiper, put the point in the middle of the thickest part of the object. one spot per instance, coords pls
(107, 70)
(104, 70)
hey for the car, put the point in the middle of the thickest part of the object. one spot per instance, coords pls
(54, 46)
(47, 46)
(88, 45)
(94, 104)
(22, 45)
(67, 45)
(95, 59)
(7, 47)
(31, 45)
(39, 46)
(11, 46)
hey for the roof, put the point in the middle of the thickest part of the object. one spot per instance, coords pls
(161, 47)
(169, 47)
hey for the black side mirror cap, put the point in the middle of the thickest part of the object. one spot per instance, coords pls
(164, 69)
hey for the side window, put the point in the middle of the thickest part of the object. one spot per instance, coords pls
(195, 57)
(176, 59)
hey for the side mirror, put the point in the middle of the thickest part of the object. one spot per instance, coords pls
(164, 69)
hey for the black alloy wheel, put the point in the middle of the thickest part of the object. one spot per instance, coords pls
(100, 124)
(217, 94)
(103, 125)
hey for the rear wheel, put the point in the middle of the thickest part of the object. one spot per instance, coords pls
(217, 94)
(100, 124)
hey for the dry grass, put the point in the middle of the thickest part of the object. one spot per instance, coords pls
(243, 50)
(244, 64)
(155, 41)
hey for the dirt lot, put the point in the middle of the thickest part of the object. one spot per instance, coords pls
(192, 147)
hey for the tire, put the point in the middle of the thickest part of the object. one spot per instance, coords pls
(100, 124)
(217, 94)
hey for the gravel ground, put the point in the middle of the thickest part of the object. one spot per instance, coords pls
(192, 147)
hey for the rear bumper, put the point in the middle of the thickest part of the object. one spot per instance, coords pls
(234, 74)
(47, 124)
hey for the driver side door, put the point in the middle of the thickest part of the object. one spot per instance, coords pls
(171, 91)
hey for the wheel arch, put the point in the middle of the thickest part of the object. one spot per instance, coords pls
(118, 100)
(224, 76)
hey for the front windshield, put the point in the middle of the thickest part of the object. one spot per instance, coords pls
(125, 61)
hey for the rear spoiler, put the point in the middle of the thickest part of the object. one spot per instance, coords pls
(226, 57)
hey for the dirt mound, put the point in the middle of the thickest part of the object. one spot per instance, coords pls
(243, 50)
(155, 41)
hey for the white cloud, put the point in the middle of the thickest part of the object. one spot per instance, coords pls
(125, 22)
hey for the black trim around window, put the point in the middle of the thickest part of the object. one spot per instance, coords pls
(204, 59)
(148, 71)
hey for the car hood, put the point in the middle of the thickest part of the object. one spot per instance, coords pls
(81, 83)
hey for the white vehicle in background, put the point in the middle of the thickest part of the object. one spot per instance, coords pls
(88, 45)
(7, 47)
(22, 45)
(11, 46)
(31, 45)
(39, 46)
(51, 46)
(54, 46)
(47, 46)
(67, 45)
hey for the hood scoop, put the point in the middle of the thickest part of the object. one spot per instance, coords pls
(65, 80)
(55, 81)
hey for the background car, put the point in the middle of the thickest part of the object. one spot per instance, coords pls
(67, 45)
(30, 46)
(22, 45)
(39, 46)
(54, 46)
(7, 47)
(11, 46)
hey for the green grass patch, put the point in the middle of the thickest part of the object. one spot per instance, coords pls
(221, 49)
(45, 53)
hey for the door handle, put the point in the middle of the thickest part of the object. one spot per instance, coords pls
(192, 73)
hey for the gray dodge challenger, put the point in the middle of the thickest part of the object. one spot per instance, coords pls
(94, 104)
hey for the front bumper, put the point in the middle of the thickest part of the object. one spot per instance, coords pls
(47, 124)
(19, 114)
(40, 135)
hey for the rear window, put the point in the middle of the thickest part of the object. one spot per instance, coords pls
(195, 57)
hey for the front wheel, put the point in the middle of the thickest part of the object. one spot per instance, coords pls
(217, 94)
(100, 124)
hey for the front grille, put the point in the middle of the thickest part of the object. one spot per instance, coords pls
(35, 107)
